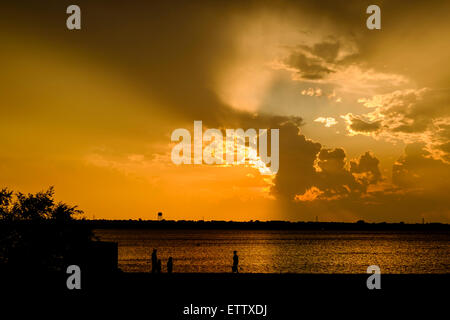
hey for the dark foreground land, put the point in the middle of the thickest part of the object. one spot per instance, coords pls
(287, 296)
(107, 292)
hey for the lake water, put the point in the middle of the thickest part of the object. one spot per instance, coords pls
(265, 251)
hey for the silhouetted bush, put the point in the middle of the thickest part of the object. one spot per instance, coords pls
(37, 232)
(34, 207)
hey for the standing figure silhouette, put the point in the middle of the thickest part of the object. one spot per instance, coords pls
(235, 262)
(169, 265)
(154, 261)
(158, 269)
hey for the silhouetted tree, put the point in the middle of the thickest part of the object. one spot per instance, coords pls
(5, 204)
(35, 231)
(34, 207)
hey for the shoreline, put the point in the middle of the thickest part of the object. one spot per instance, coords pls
(263, 225)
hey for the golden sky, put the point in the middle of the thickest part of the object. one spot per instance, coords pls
(364, 115)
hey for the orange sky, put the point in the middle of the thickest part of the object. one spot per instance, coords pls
(364, 116)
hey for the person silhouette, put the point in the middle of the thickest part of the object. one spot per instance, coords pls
(159, 266)
(154, 261)
(169, 265)
(235, 262)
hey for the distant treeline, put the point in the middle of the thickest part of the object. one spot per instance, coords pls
(260, 225)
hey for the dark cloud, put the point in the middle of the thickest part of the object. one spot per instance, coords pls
(297, 156)
(331, 161)
(334, 184)
(420, 115)
(423, 184)
(415, 109)
(359, 125)
(367, 164)
(326, 50)
(334, 178)
(417, 169)
(305, 164)
(308, 68)
(420, 187)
